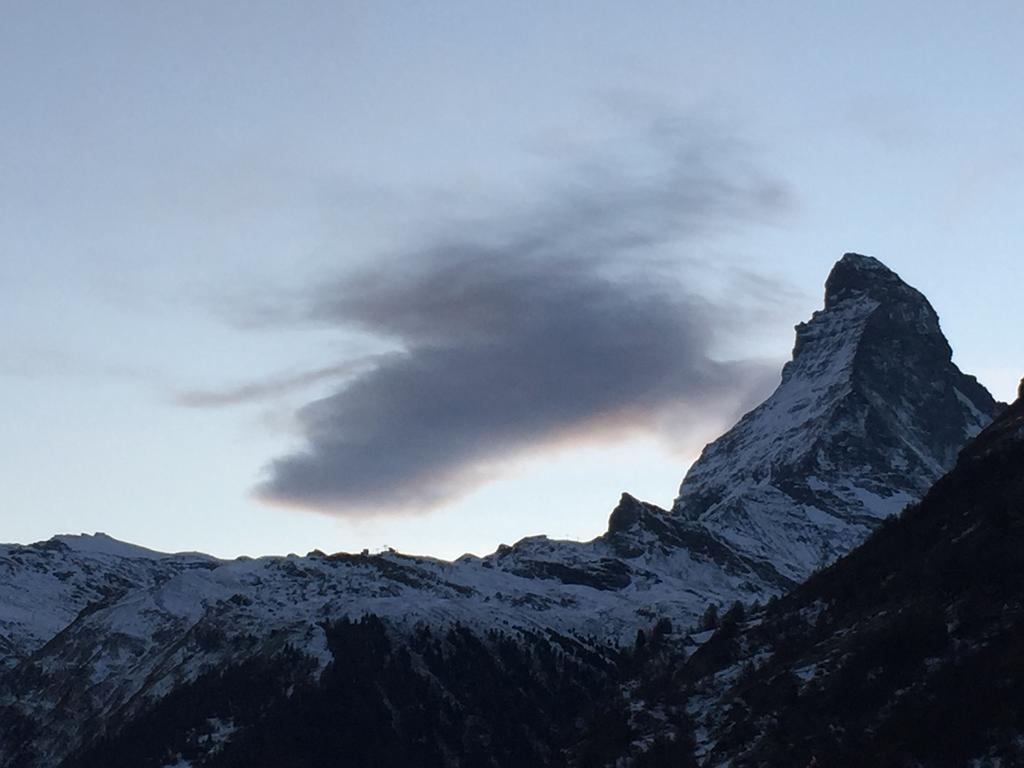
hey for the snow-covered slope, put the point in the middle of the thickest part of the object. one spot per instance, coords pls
(114, 661)
(871, 411)
(44, 586)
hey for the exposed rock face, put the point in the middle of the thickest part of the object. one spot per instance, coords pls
(871, 411)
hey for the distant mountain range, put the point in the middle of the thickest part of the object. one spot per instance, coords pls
(650, 645)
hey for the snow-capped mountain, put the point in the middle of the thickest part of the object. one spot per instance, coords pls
(869, 413)
(44, 586)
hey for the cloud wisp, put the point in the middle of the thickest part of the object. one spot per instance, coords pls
(267, 389)
(578, 317)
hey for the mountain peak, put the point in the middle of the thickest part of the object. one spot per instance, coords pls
(857, 275)
(867, 304)
(870, 412)
(862, 263)
(625, 514)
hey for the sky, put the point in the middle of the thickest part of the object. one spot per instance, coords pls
(438, 276)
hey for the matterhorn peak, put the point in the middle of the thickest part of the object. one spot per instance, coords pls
(866, 303)
(870, 412)
(859, 275)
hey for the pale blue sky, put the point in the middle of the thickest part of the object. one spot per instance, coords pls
(166, 170)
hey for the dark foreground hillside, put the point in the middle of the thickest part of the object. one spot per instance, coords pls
(454, 698)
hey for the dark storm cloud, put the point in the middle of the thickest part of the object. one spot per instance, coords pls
(575, 318)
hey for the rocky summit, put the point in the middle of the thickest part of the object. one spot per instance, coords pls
(870, 412)
(115, 655)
